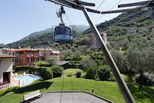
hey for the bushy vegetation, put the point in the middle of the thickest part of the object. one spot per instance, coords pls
(135, 58)
(44, 72)
(104, 73)
(73, 72)
(42, 63)
(57, 71)
(78, 74)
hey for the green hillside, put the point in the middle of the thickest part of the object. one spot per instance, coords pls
(42, 40)
(126, 21)
(139, 21)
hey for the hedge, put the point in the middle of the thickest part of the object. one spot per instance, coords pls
(44, 72)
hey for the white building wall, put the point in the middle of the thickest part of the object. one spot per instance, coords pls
(1, 50)
(41, 53)
(6, 65)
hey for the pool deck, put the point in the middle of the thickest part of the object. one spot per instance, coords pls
(69, 97)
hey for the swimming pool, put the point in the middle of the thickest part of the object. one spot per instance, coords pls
(27, 79)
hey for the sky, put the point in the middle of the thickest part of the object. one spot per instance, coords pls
(19, 18)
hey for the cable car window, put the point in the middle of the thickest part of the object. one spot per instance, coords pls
(62, 31)
(68, 31)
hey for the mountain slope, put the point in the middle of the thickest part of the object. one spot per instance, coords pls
(127, 20)
(37, 33)
(121, 25)
(77, 28)
(41, 40)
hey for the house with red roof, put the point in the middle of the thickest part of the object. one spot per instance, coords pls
(27, 56)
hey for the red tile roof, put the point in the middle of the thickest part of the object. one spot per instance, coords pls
(7, 56)
(22, 49)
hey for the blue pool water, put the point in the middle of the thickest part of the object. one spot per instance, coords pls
(27, 79)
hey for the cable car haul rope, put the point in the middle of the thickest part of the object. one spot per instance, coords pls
(63, 33)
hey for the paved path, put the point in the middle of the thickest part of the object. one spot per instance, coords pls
(68, 97)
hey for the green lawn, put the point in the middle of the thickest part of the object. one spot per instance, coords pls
(72, 72)
(108, 90)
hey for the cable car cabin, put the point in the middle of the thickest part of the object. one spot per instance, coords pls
(63, 34)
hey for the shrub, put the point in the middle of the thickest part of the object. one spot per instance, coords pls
(45, 73)
(103, 73)
(144, 80)
(42, 63)
(23, 68)
(91, 74)
(57, 71)
(78, 74)
(7, 90)
(90, 66)
(88, 63)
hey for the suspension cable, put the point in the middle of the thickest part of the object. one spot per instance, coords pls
(68, 19)
(99, 6)
(109, 10)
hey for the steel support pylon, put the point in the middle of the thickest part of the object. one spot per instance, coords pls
(122, 85)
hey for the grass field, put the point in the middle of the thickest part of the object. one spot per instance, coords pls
(108, 90)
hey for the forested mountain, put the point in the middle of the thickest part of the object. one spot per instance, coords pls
(43, 38)
(124, 23)
(77, 28)
(49, 30)
(35, 41)
(129, 20)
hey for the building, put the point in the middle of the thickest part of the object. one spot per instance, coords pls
(6, 69)
(104, 37)
(27, 56)
(152, 30)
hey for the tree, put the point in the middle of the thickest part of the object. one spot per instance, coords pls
(89, 66)
(67, 54)
(136, 61)
(150, 59)
(88, 63)
(119, 59)
(42, 63)
(103, 72)
(57, 71)
(78, 74)
(77, 55)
